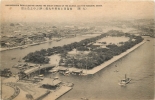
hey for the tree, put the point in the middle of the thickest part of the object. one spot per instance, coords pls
(29, 97)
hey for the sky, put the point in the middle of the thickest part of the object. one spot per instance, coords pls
(108, 11)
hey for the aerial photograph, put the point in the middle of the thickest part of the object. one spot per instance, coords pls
(77, 50)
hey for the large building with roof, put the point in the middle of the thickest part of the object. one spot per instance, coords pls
(36, 70)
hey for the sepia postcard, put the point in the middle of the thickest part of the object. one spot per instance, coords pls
(77, 50)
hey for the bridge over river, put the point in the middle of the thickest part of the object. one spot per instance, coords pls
(39, 68)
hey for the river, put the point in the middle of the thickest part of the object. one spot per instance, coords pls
(138, 65)
(6, 56)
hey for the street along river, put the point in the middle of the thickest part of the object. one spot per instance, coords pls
(138, 65)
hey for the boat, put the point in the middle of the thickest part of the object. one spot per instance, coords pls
(41, 75)
(13, 58)
(35, 44)
(53, 71)
(56, 77)
(23, 47)
(124, 81)
(67, 73)
(58, 40)
(83, 98)
(19, 60)
(116, 71)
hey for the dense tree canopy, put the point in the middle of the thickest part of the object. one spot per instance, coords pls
(96, 57)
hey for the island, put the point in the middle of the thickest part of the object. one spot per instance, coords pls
(88, 53)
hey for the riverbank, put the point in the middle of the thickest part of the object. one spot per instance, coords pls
(24, 46)
(33, 44)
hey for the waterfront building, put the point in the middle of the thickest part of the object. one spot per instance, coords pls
(50, 83)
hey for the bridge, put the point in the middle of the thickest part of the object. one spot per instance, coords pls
(38, 68)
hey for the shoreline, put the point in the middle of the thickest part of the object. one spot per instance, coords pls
(5, 49)
(26, 46)
(115, 58)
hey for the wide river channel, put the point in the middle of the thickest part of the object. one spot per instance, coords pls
(138, 65)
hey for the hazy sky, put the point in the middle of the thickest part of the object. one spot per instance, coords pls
(109, 10)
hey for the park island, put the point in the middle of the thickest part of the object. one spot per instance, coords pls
(85, 56)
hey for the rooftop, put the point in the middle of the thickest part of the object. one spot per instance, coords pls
(33, 69)
(49, 81)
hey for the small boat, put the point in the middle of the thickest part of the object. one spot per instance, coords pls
(41, 75)
(84, 98)
(67, 73)
(19, 60)
(116, 71)
(148, 40)
(23, 47)
(13, 58)
(56, 77)
(53, 71)
(58, 40)
(35, 43)
(124, 81)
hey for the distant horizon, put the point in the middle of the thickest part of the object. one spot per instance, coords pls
(110, 20)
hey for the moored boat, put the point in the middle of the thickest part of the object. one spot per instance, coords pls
(23, 47)
(13, 58)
